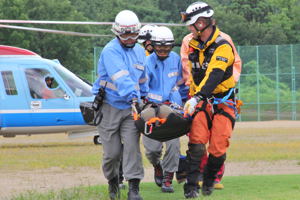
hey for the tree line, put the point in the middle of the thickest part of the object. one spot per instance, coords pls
(249, 22)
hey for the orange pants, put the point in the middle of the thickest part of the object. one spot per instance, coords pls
(218, 135)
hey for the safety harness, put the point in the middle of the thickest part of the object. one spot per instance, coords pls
(229, 99)
(198, 72)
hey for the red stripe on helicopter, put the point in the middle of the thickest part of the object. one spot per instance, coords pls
(9, 50)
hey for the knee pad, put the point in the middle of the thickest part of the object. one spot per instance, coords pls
(196, 151)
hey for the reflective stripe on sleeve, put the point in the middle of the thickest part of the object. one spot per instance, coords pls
(140, 67)
(119, 74)
(155, 96)
(180, 82)
(108, 85)
(175, 88)
(143, 80)
(137, 87)
(171, 74)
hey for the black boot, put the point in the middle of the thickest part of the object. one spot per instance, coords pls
(214, 164)
(133, 193)
(182, 169)
(113, 188)
(158, 174)
(191, 191)
(194, 155)
(167, 182)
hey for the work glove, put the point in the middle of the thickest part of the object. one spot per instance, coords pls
(190, 105)
(144, 100)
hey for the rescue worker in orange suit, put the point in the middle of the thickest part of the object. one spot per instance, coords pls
(237, 67)
(211, 60)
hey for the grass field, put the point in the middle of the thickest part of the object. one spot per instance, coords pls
(276, 187)
(254, 143)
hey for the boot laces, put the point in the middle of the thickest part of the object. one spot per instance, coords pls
(168, 177)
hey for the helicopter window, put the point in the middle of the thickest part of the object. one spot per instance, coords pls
(79, 87)
(42, 85)
(9, 83)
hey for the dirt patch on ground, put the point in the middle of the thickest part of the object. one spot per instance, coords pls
(15, 182)
(268, 124)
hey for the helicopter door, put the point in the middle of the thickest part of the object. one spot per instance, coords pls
(15, 111)
(50, 103)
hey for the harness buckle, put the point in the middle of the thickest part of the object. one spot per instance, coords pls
(146, 129)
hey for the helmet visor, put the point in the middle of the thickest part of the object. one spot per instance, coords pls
(187, 16)
(128, 36)
(163, 43)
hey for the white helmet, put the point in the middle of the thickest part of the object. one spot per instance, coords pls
(162, 35)
(146, 32)
(126, 21)
(196, 10)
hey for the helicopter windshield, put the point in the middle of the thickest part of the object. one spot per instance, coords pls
(78, 86)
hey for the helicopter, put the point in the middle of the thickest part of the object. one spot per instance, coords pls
(40, 96)
(29, 105)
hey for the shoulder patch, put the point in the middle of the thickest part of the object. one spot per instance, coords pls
(220, 58)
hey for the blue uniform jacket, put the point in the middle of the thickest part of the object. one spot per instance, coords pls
(165, 79)
(123, 74)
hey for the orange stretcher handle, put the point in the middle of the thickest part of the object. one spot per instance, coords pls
(155, 120)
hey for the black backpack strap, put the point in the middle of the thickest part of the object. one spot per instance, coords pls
(226, 114)
(203, 108)
(208, 53)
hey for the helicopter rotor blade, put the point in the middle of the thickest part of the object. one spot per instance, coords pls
(77, 22)
(54, 31)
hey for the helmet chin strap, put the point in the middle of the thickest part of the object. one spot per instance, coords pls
(199, 32)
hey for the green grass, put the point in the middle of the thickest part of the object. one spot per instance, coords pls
(46, 155)
(247, 144)
(275, 187)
